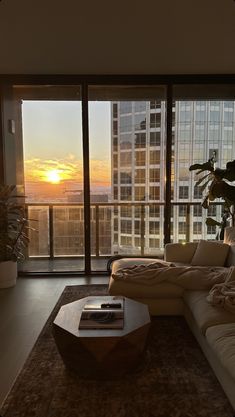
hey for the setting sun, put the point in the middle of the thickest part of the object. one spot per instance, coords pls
(53, 177)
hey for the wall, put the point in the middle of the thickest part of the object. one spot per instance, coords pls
(124, 37)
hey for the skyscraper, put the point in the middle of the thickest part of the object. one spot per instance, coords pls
(201, 129)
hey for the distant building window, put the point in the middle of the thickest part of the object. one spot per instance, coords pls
(126, 226)
(197, 211)
(115, 238)
(126, 124)
(155, 104)
(154, 228)
(154, 193)
(154, 211)
(211, 230)
(137, 227)
(200, 132)
(126, 241)
(125, 178)
(155, 138)
(197, 192)
(212, 210)
(125, 141)
(140, 158)
(185, 116)
(126, 193)
(140, 122)
(155, 120)
(154, 175)
(115, 127)
(125, 107)
(115, 225)
(140, 140)
(197, 228)
(140, 106)
(115, 193)
(182, 211)
(115, 161)
(140, 176)
(139, 193)
(183, 173)
(183, 192)
(154, 243)
(125, 159)
(154, 157)
(115, 177)
(182, 228)
(184, 132)
(115, 110)
(137, 212)
(126, 211)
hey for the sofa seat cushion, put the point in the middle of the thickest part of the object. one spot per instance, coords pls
(135, 290)
(221, 339)
(204, 313)
(138, 290)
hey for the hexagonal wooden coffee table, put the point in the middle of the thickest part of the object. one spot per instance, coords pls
(101, 353)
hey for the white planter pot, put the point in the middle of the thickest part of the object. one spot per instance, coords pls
(8, 274)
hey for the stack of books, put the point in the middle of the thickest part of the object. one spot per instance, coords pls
(103, 313)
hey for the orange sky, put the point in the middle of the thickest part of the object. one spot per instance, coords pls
(66, 170)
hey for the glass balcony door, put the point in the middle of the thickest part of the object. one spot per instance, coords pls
(127, 170)
(53, 180)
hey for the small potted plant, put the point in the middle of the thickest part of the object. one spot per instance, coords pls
(217, 184)
(13, 234)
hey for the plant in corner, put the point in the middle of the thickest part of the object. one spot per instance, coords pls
(13, 234)
(217, 184)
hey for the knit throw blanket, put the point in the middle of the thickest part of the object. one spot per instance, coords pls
(223, 295)
(188, 277)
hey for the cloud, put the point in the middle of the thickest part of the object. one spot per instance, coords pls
(69, 169)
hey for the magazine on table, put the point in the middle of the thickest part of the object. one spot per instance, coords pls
(103, 313)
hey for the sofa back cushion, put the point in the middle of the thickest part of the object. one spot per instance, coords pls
(230, 261)
(179, 252)
(210, 253)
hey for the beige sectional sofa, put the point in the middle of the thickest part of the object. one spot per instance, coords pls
(213, 327)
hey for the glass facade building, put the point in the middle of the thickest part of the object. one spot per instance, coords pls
(200, 130)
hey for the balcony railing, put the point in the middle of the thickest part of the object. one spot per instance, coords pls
(126, 228)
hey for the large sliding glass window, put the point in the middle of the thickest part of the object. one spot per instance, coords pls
(138, 183)
(53, 181)
(204, 128)
(127, 164)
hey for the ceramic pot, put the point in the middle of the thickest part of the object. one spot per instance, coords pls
(8, 274)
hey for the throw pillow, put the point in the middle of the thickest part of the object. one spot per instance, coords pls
(229, 235)
(210, 253)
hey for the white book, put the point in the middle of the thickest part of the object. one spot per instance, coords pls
(105, 304)
(99, 313)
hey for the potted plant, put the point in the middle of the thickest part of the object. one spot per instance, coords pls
(216, 184)
(13, 234)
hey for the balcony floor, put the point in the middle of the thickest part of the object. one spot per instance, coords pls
(61, 265)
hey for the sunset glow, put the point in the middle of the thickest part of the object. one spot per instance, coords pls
(59, 171)
(53, 177)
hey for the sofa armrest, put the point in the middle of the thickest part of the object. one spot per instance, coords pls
(180, 252)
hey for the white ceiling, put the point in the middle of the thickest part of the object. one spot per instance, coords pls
(117, 37)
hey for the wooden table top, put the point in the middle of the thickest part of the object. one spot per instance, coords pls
(136, 315)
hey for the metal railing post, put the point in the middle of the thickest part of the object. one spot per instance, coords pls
(97, 231)
(188, 223)
(142, 229)
(51, 232)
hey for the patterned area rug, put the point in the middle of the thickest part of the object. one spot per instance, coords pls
(175, 379)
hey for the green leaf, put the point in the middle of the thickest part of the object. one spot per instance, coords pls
(213, 222)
